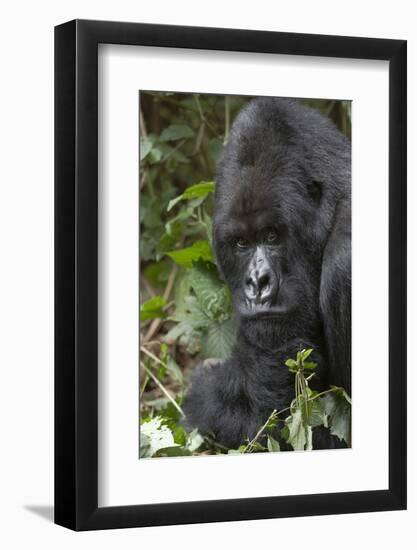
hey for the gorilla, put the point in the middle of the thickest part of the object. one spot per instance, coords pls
(282, 242)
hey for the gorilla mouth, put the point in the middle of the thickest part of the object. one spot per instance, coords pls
(253, 310)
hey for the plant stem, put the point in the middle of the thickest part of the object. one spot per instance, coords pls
(260, 431)
(160, 385)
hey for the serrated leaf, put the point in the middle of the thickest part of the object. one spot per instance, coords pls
(175, 132)
(318, 416)
(156, 435)
(212, 294)
(186, 256)
(341, 391)
(273, 445)
(153, 308)
(338, 410)
(219, 340)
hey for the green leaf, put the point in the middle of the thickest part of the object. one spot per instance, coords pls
(192, 321)
(175, 132)
(145, 147)
(273, 445)
(155, 155)
(212, 294)
(310, 365)
(194, 441)
(341, 391)
(150, 212)
(257, 447)
(218, 341)
(186, 256)
(338, 410)
(272, 423)
(158, 272)
(154, 435)
(237, 451)
(201, 189)
(215, 147)
(318, 416)
(197, 191)
(180, 436)
(306, 353)
(177, 450)
(174, 370)
(297, 436)
(291, 363)
(153, 308)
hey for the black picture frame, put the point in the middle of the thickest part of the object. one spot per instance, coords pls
(76, 272)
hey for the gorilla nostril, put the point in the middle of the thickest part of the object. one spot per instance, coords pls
(250, 282)
(263, 282)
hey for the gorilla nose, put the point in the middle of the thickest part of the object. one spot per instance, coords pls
(260, 281)
(258, 285)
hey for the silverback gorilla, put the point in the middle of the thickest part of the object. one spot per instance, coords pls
(282, 240)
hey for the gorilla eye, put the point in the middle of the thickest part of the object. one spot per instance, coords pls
(271, 236)
(241, 243)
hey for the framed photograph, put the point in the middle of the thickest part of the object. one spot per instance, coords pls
(230, 255)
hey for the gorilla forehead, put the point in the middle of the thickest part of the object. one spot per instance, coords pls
(249, 213)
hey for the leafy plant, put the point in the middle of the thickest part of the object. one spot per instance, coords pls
(308, 410)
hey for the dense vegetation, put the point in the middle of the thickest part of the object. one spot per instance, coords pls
(185, 308)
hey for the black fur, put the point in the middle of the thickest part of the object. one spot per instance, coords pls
(285, 171)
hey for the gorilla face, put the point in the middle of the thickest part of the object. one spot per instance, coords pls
(258, 256)
(268, 269)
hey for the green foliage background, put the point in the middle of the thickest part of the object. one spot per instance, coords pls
(185, 307)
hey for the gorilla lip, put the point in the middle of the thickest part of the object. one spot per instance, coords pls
(266, 311)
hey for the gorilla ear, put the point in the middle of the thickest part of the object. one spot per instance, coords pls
(335, 297)
(314, 189)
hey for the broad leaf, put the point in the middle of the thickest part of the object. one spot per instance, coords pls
(186, 256)
(297, 432)
(145, 147)
(175, 132)
(194, 441)
(338, 410)
(154, 435)
(318, 416)
(273, 445)
(212, 294)
(153, 308)
(199, 190)
(218, 341)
